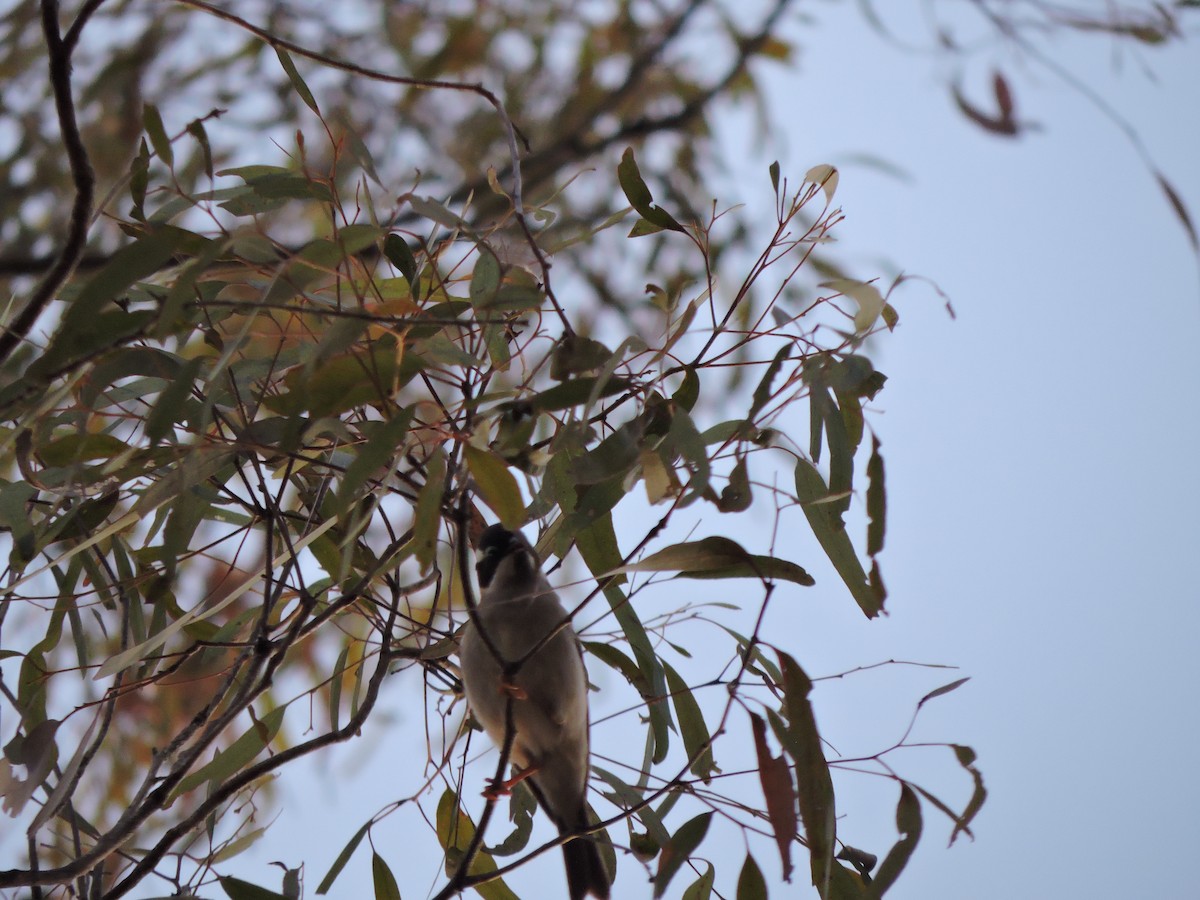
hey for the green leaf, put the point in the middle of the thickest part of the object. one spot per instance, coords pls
(454, 831)
(385, 882)
(139, 180)
(153, 123)
(701, 888)
(814, 786)
(575, 355)
(427, 517)
(677, 851)
(736, 495)
(378, 451)
(751, 885)
(497, 486)
(77, 448)
(597, 544)
(696, 740)
(762, 393)
(718, 557)
(485, 280)
(876, 500)
(342, 858)
(573, 393)
(236, 889)
(908, 823)
(237, 755)
(301, 88)
(196, 129)
(400, 255)
(831, 533)
(639, 195)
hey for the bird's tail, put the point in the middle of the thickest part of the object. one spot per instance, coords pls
(586, 874)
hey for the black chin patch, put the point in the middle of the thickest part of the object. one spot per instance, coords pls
(496, 544)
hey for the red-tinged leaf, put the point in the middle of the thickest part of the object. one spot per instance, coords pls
(778, 792)
(1004, 97)
(1180, 210)
(908, 823)
(814, 786)
(751, 884)
(681, 846)
(996, 124)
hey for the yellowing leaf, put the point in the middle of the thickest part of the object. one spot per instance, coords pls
(870, 301)
(826, 176)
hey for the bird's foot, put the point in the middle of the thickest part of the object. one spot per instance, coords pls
(498, 789)
(510, 689)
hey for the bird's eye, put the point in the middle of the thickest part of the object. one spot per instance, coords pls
(491, 550)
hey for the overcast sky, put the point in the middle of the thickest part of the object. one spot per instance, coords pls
(1043, 490)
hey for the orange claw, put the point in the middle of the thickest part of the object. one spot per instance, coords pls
(495, 791)
(512, 690)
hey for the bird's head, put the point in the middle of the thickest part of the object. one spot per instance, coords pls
(506, 555)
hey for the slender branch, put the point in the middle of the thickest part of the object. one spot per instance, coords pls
(81, 174)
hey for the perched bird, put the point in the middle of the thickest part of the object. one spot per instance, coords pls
(548, 693)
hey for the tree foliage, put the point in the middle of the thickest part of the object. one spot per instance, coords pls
(257, 403)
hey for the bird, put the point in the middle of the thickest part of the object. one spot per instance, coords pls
(548, 694)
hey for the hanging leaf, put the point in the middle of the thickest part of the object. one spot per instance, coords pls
(778, 792)
(677, 851)
(640, 197)
(813, 495)
(298, 83)
(385, 882)
(814, 786)
(908, 823)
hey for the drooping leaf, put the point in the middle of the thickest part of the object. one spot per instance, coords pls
(696, 739)
(702, 887)
(908, 823)
(153, 123)
(342, 858)
(778, 793)
(380, 447)
(298, 83)
(813, 495)
(497, 486)
(814, 786)
(384, 881)
(676, 852)
(751, 885)
(876, 501)
(454, 831)
(639, 195)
